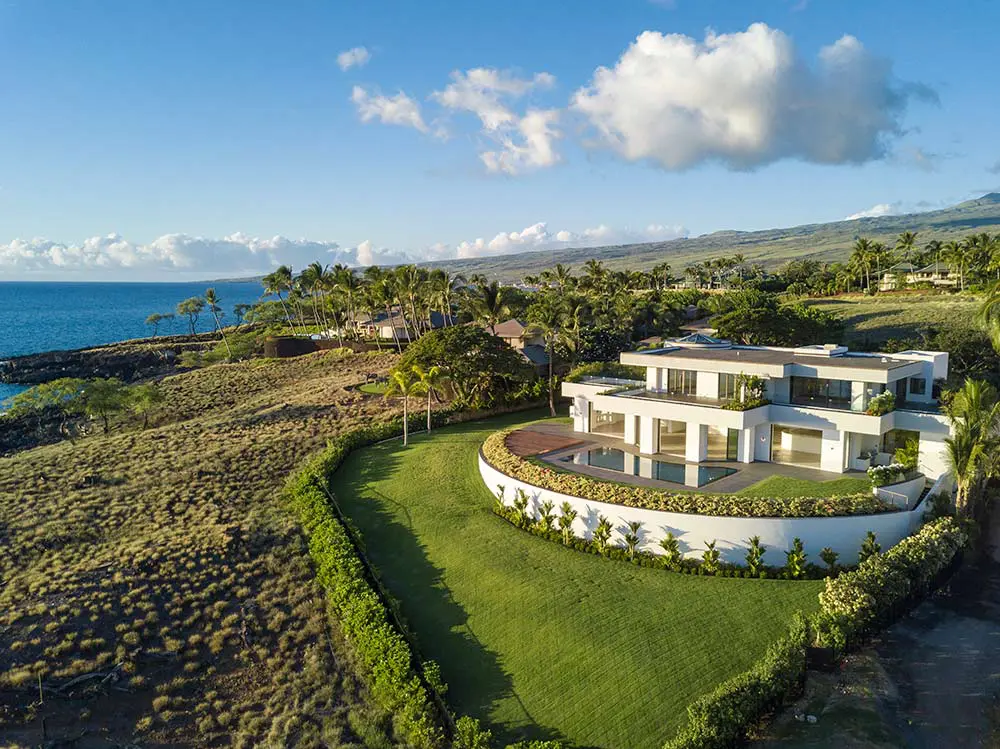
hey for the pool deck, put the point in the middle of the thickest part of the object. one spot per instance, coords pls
(747, 474)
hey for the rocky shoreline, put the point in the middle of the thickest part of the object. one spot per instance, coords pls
(130, 361)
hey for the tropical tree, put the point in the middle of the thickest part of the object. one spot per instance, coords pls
(191, 308)
(404, 383)
(549, 316)
(957, 255)
(430, 381)
(240, 312)
(277, 283)
(102, 398)
(906, 244)
(155, 319)
(142, 399)
(974, 411)
(212, 302)
(486, 304)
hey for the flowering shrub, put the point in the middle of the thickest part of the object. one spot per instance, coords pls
(881, 404)
(497, 454)
(856, 601)
(884, 475)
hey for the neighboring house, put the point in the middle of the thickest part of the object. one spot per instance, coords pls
(937, 274)
(814, 414)
(525, 339)
(403, 327)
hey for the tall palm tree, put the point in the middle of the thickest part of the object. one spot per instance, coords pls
(487, 306)
(974, 411)
(343, 279)
(429, 381)
(957, 255)
(548, 315)
(403, 382)
(906, 244)
(278, 282)
(313, 281)
(862, 258)
(212, 302)
(559, 276)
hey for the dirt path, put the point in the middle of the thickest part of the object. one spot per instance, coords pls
(932, 680)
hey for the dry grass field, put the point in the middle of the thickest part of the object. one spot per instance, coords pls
(152, 590)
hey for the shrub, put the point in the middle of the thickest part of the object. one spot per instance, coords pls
(829, 557)
(710, 558)
(672, 553)
(884, 475)
(497, 454)
(566, 517)
(881, 404)
(855, 601)
(755, 555)
(722, 718)
(606, 369)
(795, 560)
(869, 547)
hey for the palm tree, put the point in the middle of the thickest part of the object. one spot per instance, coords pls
(957, 255)
(486, 303)
(429, 381)
(862, 258)
(343, 279)
(905, 244)
(212, 302)
(278, 282)
(974, 411)
(548, 315)
(403, 382)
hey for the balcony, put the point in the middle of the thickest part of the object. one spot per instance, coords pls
(662, 395)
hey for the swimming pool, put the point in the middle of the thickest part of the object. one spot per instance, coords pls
(619, 461)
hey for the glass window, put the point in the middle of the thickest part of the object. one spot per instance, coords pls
(607, 422)
(681, 381)
(918, 386)
(727, 386)
(814, 391)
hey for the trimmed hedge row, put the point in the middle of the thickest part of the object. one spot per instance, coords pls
(497, 454)
(860, 601)
(382, 651)
(853, 605)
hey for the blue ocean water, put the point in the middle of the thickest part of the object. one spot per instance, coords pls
(36, 317)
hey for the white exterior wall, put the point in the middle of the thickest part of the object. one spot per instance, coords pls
(654, 378)
(707, 385)
(833, 451)
(649, 435)
(843, 534)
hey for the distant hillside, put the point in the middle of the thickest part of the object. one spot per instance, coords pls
(829, 241)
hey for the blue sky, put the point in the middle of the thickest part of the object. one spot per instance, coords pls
(160, 140)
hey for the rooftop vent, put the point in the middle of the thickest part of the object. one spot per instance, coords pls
(825, 349)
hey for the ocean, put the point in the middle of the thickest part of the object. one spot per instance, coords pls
(36, 316)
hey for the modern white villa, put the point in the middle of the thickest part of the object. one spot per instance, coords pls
(817, 406)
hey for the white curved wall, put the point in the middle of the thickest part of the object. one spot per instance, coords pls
(842, 534)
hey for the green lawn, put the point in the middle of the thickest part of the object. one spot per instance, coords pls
(786, 486)
(373, 388)
(535, 639)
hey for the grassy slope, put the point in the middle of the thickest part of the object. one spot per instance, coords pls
(535, 638)
(166, 551)
(897, 315)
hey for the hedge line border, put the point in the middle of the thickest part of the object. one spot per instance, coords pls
(499, 457)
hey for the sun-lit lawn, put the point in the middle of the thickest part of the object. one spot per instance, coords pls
(373, 388)
(536, 639)
(786, 486)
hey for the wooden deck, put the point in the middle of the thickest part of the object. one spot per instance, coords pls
(525, 442)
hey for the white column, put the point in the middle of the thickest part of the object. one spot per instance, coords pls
(648, 435)
(630, 436)
(696, 445)
(857, 396)
(745, 445)
(581, 414)
(646, 468)
(691, 475)
(833, 451)
(654, 378)
(707, 384)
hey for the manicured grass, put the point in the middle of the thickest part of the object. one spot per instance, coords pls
(786, 486)
(373, 388)
(536, 639)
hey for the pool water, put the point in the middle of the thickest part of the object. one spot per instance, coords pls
(613, 459)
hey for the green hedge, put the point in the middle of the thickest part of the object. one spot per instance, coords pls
(606, 369)
(497, 454)
(853, 605)
(859, 601)
(382, 651)
(723, 717)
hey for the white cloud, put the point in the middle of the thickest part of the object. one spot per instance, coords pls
(744, 99)
(183, 255)
(355, 57)
(525, 142)
(391, 110)
(880, 209)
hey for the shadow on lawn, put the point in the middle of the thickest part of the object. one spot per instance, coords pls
(476, 680)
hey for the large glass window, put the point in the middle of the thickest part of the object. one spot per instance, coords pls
(723, 443)
(727, 387)
(799, 447)
(897, 438)
(814, 391)
(607, 422)
(681, 381)
(673, 437)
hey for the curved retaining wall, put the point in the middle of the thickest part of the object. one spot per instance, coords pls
(843, 534)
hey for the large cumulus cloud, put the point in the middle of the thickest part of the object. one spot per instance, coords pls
(744, 99)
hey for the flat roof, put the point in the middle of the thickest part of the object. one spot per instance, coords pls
(778, 357)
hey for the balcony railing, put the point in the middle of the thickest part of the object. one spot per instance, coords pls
(662, 395)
